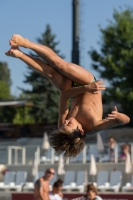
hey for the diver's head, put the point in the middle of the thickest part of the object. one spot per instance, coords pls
(71, 124)
(69, 139)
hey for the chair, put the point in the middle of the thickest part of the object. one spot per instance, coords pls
(102, 179)
(39, 175)
(80, 181)
(30, 185)
(8, 180)
(47, 157)
(92, 151)
(21, 177)
(69, 180)
(115, 181)
(129, 186)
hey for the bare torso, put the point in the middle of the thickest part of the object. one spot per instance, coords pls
(87, 109)
(41, 189)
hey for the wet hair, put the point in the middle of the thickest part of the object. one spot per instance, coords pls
(58, 183)
(91, 187)
(70, 144)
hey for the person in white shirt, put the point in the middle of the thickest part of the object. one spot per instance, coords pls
(56, 193)
(91, 194)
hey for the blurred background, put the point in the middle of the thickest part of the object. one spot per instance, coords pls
(99, 37)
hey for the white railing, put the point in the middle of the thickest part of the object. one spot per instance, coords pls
(24, 155)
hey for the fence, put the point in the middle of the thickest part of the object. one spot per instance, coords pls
(15, 155)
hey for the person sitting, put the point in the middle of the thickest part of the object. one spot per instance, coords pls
(125, 151)
(56, 193)
(91, 194)
(112, 145)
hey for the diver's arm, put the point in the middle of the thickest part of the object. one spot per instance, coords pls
(94, 87)
(63, 110)
(114, 119)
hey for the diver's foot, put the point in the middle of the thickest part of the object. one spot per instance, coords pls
(14, 52)
(18, 40)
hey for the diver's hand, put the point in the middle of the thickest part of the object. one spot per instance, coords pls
(96, 86)
(120, 117)
(113, 115)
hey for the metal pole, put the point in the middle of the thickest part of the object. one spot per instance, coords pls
(84, 154)
(132, 152)
(9, 155)
(75, 32)
(23, 156)
(52, 156)
(16, 156)
(116, 153)
(38, 155)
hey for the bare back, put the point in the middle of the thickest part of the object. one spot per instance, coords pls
(87, 109)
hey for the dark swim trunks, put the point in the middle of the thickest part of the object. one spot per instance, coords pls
(74, 84)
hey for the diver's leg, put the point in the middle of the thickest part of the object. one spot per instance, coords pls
(58, 80)
(72, 71)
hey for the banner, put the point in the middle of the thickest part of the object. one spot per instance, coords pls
(120, 196)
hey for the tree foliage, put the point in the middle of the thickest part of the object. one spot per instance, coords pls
(4, 91)
(44, 96)
(22, 116)
(5, 73)
(114, 61)
(5, 81)
(6, 113)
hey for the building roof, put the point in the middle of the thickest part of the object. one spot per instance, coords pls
(16, 103)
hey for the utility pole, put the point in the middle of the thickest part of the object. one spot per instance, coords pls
(75, 32)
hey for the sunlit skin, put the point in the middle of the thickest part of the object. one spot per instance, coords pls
(91, 195)
(71, 124)
(41, 189)
(49, 174)
(86, 106)
(57, 190)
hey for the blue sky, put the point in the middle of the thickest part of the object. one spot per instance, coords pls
(29, 19)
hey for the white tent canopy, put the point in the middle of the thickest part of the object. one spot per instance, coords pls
(93, 168)
(45, 144)
(61, 169)
(100, 145)
(128, 164)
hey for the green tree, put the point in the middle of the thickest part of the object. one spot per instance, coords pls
(44, 96)
(5, 81)
(6, 113)
(22, 116)
(114, 61)
(4, 91)
(5, 73)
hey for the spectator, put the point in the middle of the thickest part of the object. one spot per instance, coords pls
(91, 194)
(112, 145)
(125, 150)
(41, 189)
(56, 193)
